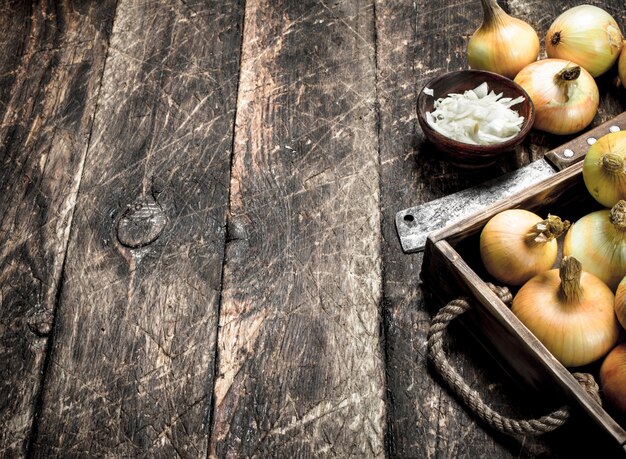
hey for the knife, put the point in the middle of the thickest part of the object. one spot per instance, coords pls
(414, 224)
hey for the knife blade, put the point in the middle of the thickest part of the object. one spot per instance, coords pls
(415, 223)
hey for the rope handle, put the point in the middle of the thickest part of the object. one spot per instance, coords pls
(471, 398)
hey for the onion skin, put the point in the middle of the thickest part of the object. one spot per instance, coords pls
(503, 44)
(575, 332)
(604, 169)
(561, 107)
(620, 302)
(613, 378)
(507, 251)
(621, 65)
(599, 245)
(586, 35)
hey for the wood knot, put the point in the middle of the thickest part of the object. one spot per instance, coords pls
(41, 322)
(141, 223)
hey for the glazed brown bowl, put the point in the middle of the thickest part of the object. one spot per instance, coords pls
(464, 154)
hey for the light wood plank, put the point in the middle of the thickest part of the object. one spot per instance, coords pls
(132, 363)
(300, 363)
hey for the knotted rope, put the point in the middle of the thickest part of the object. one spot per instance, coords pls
(471, 398)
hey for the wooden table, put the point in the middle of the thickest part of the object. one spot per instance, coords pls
(198, 252)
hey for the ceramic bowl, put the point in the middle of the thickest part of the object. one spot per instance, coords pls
(460, 153)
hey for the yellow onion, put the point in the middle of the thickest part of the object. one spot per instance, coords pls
(586, 35)
(598, 240)
(565, 96)
(517, 244)
(604, 169)
(620, 302)
(613, 377)
(503, 44)
(570, 311)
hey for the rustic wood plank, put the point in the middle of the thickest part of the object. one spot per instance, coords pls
(51, 59)
(416, 41)
(131, 366)
(300, 365)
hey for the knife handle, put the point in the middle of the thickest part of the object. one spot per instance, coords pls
(576, 149)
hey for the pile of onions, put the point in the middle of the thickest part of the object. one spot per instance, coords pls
(586, 35)
(517, 244)
(604, 169)
(503, 44)
(613, 377)
(598, 240)
(565, 96)
(570, 311)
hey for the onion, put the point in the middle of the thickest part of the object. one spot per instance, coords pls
(613, 377)
(517, 244)
(503, 44)
(565, 96)
(620, 302)
(604, 169)
(586, 35)
(598, 240)
(570, 311)
(477, 117)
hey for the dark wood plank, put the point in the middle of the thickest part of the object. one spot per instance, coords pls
(300, 363)
(15, 17)
(417, 41)
(132, 359)
(51, 59)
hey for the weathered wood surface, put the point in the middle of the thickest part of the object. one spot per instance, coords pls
(416, 42)
(227, 280)
(300, 358)
(51, 59)
(131, 366)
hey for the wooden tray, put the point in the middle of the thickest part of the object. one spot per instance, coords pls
(452, 268)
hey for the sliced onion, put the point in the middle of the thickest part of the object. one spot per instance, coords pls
(477, 117)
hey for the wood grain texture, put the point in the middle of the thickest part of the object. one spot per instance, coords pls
(417, 41)
(300, 364)
(321, 318)
(51, 59)
(132, 359)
